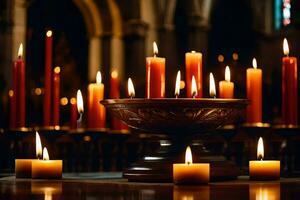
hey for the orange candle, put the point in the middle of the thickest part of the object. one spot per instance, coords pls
(48, 75)
(226, 88)
(289, 88)
(23, 166)
(190, 173)
(56, 95)
(193, 67)
(254, 93)
(73, 113)
(263, 169)
(96, 111)
(46, 169)
(155, 75)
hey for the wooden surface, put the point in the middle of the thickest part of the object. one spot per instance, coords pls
(112, 186)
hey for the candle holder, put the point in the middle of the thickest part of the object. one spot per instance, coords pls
(180, 120)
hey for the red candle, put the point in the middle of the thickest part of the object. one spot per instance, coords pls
(18, 98)
(73, 113)
(193, 67)
(254, 94)
(48, 75)
(155, 75)
(56, 95)
(289, 87)
(226, 87)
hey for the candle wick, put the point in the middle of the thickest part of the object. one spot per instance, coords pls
(79, 120)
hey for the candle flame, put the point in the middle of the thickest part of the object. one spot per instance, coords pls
(20, 51)
(49, 33)
(188, 156)
(79, 102)
(98, 77)
(194, 87)
(45, 154)
(131, 91)
(260, 149)
(286, 50)
(57, 70)
(38, 145)
(155, 49)
(227, 74)
(212, 85)
(114, 74)
(254, 63)
(177, 84)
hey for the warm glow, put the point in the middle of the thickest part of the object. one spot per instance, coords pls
(254, 63)
(286, 50)
(45, 154)
(98, 77)
(38, 91)
(73, 100)
(235, 56)
(260, 149)
(10, 93)
(49, 33)
(114, 74)
(57, 70)
(182, 85)
(188, 156)
(155, 49)
(212, 85)
(131, 91)
(64, 101)
(194, 87)
(227, 74)
(79, 102)
(177, 84)
(20, 51)
(38, 145)
(220, 58)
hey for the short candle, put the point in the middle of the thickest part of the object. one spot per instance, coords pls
(226, 87)
(263, 169)
(190, 173)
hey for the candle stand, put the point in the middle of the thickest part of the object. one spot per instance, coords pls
(181, 120)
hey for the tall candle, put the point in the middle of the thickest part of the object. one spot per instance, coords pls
(18, 98)
(155, 75)
(96, 111)
(56, 95)
(193, 67)
(73, 113)
(226, 88)
(48, 75)
(289, 87)
(254, 93)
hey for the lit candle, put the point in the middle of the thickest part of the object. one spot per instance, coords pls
(226, 88)
(193, 67)
(155, 75)
(56, 95)
(80, 108)
(48, 75)
(289, 87)
(46, 168)
(23, 166)
(254, 93)
(96, 111)
(212, 86)
(190, 173)
(263, 169)
(18, 101)
(177, 84)
(131, 91)
(73, 113)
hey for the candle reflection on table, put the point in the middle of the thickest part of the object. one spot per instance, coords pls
(48, 189)
(191, 192)
(264, 191)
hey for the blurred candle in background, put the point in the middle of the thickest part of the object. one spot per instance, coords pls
(289, 87)
(56, 96)
(254, 93)
(193, 67)
(96, 111)
(73, 113)
(48, 75)
(226, 88)
(155, 75)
